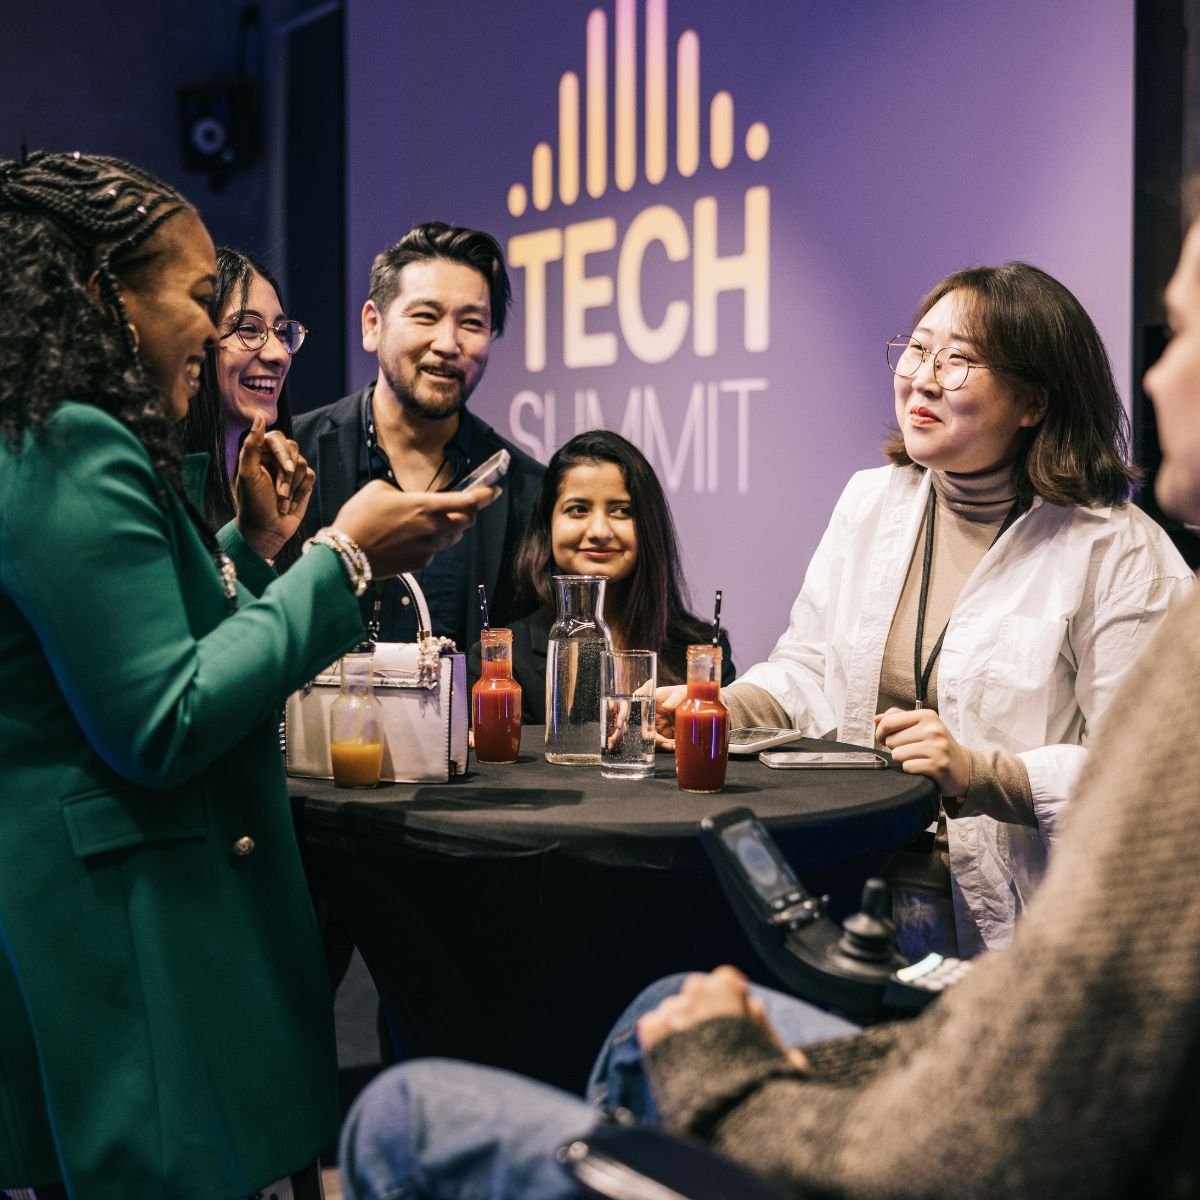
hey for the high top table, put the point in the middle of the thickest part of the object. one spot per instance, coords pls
(508, 916)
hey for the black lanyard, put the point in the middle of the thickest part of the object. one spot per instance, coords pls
(374, 448)
(921, 675)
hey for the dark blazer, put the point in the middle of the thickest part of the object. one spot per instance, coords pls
(531, 639)
(330, 438)
(156, 934)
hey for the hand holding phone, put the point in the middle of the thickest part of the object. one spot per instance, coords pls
(402, 531)
(488, 473)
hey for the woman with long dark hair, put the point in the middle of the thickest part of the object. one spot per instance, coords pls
(165, 1019)
(244, 376)
(602, 511)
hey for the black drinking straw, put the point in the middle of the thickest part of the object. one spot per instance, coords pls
(483, 605)
(717, 620)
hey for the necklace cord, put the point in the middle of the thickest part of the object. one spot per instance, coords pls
(922, 674)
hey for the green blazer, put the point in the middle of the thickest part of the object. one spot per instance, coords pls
(165, 1018)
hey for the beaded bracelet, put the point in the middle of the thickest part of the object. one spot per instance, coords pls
(348, 550)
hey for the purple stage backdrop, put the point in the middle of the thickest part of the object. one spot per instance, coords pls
(716, 214)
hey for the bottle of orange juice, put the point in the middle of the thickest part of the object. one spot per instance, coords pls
(356, 725)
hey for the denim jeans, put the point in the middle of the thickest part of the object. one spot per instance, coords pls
(440, 1130)
(434, 1128)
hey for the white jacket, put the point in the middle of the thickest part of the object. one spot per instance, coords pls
(1038, 642)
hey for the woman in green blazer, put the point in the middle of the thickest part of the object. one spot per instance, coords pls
(165, 1022)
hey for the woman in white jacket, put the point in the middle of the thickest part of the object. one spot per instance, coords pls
(974, 606)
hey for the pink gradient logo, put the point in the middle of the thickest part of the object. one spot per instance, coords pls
(614, 305)
(595, 158)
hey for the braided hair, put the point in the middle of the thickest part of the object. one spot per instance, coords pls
(64, 220)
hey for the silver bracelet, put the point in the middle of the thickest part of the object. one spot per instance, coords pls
(357, 565)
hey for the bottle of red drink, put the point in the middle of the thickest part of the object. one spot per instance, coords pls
(496, 701)
(702, 724)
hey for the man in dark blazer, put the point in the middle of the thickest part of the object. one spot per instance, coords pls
(437, 299)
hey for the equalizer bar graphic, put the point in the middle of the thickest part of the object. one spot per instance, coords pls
(591, 159)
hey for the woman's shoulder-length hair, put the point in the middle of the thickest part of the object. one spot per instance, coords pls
(1036, 337)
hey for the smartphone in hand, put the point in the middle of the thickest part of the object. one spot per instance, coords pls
(488, 473)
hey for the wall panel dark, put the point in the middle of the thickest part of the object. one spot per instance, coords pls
(1161, 122)
(103, 79)
(314, 223)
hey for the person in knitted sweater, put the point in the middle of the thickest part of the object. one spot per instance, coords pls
(1063, 1066)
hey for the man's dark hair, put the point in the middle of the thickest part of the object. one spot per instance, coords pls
(1035, 336)
(435, 239)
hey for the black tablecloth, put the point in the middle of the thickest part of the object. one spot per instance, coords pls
(509, 916)
(822, 817)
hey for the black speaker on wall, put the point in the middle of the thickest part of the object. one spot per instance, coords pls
(220, 126)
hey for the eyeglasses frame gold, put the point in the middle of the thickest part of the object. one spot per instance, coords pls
(909, 340)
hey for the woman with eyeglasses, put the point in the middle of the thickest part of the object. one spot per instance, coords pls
(973, 607)
(243, 377)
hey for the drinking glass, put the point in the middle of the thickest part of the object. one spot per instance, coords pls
(628, 679)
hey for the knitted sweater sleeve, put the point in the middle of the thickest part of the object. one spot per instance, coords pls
(753, 707)
(1055, 1066)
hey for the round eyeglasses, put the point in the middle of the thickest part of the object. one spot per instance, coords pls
(252, 331)
(906, 356)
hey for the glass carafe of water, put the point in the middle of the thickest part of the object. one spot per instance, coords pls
(578, 637)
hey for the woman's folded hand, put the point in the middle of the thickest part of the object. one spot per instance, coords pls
(922, 745)
(272, 490)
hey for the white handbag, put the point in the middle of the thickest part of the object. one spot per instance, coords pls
(422, 688)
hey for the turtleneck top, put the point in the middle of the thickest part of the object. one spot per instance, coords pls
(970, 512)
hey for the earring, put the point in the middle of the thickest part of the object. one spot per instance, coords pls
(133, 336)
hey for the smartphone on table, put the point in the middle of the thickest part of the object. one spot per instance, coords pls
(752, 739)
(791, 760)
